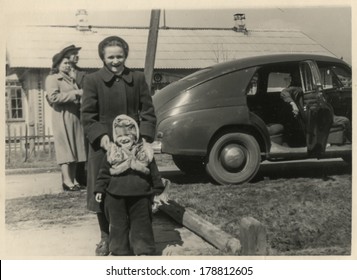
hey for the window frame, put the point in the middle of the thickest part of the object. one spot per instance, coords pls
(15, 102)
(323, 66)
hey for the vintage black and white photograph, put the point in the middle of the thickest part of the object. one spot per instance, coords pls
(165, 131)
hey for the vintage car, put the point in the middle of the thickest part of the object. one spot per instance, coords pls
(228, 118)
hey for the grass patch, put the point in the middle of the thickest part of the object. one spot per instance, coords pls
(301, 216)
(46, 210)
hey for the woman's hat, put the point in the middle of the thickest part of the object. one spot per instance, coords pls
(71, 49)
(103, 43)
(57, 58)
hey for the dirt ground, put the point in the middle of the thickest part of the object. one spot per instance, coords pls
(79, 239)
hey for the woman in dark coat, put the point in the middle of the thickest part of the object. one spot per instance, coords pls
(107, 93)
(64, 97)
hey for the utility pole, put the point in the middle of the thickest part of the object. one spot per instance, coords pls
(151, 47)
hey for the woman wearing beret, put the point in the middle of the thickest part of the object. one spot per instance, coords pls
(64, 97)
(111, 91)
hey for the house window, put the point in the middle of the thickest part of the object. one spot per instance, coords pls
(14, 104)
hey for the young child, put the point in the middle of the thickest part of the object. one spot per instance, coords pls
(126, 180)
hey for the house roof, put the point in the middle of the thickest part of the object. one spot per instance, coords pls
(177, 48)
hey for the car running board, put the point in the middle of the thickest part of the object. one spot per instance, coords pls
(279, 152)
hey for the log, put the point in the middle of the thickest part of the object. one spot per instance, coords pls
(202, 228)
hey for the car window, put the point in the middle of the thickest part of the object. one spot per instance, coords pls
(277, 81)
(335, 76)
(253, 85)
(228, 86)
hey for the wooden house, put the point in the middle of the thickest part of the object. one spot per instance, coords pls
(180, 51)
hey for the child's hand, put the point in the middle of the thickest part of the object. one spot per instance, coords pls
(158, 201)
(162, 198)
(98, 197)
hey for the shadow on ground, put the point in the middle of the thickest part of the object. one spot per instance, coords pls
(166, 233)
(277, 170)
(306, 169)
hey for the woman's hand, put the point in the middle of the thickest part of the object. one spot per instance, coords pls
(79, 94)
(105, 142)
(98, 197)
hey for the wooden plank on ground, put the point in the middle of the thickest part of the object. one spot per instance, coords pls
(201, 227)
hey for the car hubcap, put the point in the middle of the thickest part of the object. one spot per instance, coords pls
(233, 157)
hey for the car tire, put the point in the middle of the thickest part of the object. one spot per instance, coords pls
(189, 165)
(234, 159)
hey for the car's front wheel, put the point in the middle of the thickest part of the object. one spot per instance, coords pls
(234, 158)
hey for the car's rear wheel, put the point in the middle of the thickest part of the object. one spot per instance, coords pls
(234, 158)
(189, 164)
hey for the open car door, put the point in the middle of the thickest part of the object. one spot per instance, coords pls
(318, 113)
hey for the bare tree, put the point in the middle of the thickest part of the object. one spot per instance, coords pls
(220, 53)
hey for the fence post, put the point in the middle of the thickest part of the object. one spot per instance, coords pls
(9, 143)
(44, 141)
(32, 138)
(15, 142)
(36, 141)
(21, 142)
(49, 144)
(26, 143)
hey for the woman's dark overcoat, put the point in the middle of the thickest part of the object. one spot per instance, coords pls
(106, 96)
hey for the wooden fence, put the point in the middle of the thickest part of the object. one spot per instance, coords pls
(20, 145)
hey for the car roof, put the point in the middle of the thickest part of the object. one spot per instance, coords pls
(238, 64)
(219, 69)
